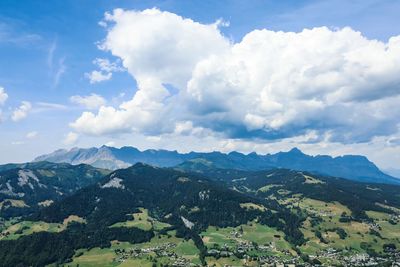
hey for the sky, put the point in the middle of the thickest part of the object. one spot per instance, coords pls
(261, 76)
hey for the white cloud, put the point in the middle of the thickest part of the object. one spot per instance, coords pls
(17, 143)
(71, 138)
(22, 111)
(31, 135)
(270, 85)
(280, 84)
(110, 143)
(161, 46)
(105, 65)
(106, 69)
(98, 76)
(92, 101)
(3, 99)
(3, 96)
(155, 47)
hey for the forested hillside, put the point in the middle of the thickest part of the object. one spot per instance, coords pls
(295, 214)
(25, 188)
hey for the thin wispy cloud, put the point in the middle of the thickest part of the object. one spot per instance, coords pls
(11, 35)
(50, 54)
(55, 64)
(32, 135)
(60, 70)
(18, 143)
(92, 101)
(45, 106)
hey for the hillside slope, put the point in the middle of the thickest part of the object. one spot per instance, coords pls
(227, 217)
(24, 188)
(187, 202)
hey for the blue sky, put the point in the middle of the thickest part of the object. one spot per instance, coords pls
(48, 50)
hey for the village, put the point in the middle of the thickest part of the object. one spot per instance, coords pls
(162, 250)
(242, 249)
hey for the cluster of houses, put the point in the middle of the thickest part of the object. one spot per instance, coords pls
(274, 261)
(338, 256)
(327, 253)
(162, 250)
(359, 259)
(243, 250)
(363, 260)
(182, 262)
(4, 234)
(246, 251)
(374, 226)
(318, 212)
(395, 216)
(236, 233)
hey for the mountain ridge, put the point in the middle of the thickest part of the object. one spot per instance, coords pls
(25, 188)
(353, 167)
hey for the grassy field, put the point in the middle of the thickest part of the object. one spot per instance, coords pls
(268, 187)
(18, 229)
(252, 206)
(137, 262)
(221, 262)
(107, 257)
(388, 230)
(13, 203)
(143, 221)
(322, 208)
(139, 220)
(250, 232)
(231, 261)
(312, 180)
(46, 203)
(322, 217)
(356, 232)
(94, 257)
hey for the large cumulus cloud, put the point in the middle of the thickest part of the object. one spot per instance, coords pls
(336, 84)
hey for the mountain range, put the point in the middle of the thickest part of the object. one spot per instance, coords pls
(353, 167)
(203, 209)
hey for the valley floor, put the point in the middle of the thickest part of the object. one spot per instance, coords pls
(253, 244)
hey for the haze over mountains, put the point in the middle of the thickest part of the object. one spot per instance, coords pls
(353, 167)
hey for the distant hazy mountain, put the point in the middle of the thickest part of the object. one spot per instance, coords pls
(352, 167)
(392, 172)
